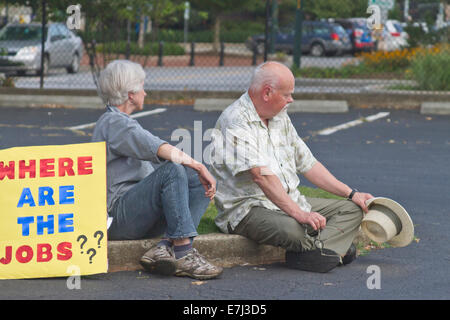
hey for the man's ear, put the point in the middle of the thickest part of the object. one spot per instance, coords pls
(266, 93)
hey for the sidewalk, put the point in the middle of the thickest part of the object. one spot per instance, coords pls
(224, 250)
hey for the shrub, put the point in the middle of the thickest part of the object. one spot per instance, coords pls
(6, 81)
(430, 69)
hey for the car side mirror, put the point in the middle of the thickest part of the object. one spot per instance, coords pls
(55, 38)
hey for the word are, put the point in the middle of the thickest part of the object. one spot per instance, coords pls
(52, 167)
(25, 253)
(45, 196)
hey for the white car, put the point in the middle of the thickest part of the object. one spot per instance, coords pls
(394, 37)
(20, 48)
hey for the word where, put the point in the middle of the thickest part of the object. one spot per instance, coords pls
(51, 167)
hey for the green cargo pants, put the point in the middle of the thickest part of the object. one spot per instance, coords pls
(279, 229)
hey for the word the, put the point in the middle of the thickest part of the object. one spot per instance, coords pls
(25, 253)
(46, 168)
(65, 224)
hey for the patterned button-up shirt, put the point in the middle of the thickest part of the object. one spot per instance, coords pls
(241, 141)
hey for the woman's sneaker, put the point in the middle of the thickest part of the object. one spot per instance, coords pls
(159, 259)
(194, 265)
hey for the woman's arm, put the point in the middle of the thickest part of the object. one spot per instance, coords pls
(171, 153)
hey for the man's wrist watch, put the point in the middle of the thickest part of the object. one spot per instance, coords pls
(350, 196)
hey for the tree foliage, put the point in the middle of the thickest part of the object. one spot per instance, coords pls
(218, 9)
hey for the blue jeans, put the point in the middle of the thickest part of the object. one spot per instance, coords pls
(169, 202)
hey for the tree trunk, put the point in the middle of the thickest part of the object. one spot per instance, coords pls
(141, 32)
(216, 43)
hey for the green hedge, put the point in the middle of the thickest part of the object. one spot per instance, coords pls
(120, 47)
(236, 36)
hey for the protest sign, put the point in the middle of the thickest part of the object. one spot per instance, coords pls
(53, 210)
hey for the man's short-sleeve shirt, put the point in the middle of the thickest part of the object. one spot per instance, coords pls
(241, 141)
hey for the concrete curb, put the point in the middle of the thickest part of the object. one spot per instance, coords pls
(30, 101)
(222, 249)
(19, 97)
(439, 108)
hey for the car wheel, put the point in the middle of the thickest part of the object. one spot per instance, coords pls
(317, 50)
(45, 67)
(75, 65)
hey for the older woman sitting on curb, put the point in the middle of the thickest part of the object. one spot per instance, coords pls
(142, 201)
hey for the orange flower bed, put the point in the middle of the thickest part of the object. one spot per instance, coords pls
(398, 59)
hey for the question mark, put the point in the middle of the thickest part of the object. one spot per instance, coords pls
(100, 237)
(83, 242)
(92, 255)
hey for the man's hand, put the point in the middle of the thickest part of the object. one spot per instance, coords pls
(360, 199)
(314, 219)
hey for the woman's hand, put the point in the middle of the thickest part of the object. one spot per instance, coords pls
(169, 152)
(207, 180)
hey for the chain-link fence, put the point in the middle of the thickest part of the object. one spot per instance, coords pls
(215, 45)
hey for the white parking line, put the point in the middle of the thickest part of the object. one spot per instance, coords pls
(136, 115)
(328, 131)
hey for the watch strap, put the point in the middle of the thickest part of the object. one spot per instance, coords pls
(350, 196)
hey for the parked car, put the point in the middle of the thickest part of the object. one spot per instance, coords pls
(318, 38)
(20, 48)
(360, 35)
(393, 36)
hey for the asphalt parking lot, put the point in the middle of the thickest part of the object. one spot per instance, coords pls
(403, 156)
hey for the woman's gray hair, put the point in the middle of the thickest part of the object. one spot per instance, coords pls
(264, 75)
(118, 78)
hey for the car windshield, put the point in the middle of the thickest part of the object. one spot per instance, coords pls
(10, 33)
(398, 27)
(361, 25)
(339, 29)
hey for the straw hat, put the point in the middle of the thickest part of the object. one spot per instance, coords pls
(387, 221)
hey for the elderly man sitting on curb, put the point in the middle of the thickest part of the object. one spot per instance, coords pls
(255, 157)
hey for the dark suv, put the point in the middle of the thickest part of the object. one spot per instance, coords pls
(360, 35)
(318, 38)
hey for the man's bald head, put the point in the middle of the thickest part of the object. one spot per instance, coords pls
(271, 89)
(270, 73)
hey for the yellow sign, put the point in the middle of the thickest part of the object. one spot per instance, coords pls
(53, 210)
